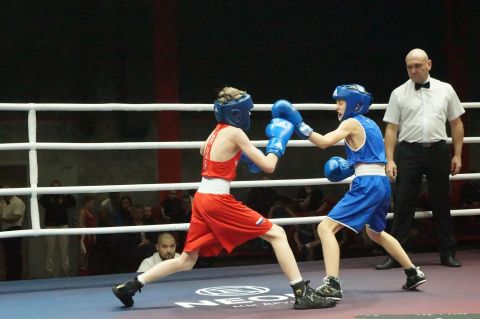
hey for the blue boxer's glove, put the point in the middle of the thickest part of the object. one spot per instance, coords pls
(279, 132)
(285, 110)
(251, 166)
(337, 169)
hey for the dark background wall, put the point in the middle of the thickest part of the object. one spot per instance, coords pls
(103, 51)
(149, 51)
(302, 49)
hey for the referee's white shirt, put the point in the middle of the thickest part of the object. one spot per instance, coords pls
(422, 114)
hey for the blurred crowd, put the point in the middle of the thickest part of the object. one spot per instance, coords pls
(135, 252)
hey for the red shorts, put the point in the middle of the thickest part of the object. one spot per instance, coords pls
(222, 222)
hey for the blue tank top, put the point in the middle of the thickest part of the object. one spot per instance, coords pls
(373, 150)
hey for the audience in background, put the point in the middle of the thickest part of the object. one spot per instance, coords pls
(261, 199)
(12, 211)
(112, 203)
(56, 216)
(99, 254)
(143, 242)
(102, 258)
(86, 219)
(311, 202)
(123, 243)
(174, 214)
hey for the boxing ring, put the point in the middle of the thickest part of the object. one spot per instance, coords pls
(255, 291)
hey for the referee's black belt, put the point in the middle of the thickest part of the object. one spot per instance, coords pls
(425, 145)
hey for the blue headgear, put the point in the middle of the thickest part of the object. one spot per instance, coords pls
(235, 112)
(357, 98)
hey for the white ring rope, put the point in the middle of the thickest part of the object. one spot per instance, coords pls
(185, 226)
(186, 186)
(171, 107)
(33, 146)
(157, 145)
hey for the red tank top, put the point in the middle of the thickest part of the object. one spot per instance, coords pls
(226, 170)
(90, 220)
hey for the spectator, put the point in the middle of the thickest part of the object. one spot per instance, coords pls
(138, 218)
(470, 194)
(187, 200)
(122, 216)
(56, 216)
(123, 243)
(172, 207)
(12, 211)
(174, 214)
(148, 215)
(311, 202)
(281, 208)
(261, 199)
(87, 218)
(166, 249)
(103, 257)
(144, 242)
(112, 203)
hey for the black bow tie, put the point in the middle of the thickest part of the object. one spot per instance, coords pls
(418, 86)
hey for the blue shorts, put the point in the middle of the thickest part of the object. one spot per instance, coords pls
(366, 203)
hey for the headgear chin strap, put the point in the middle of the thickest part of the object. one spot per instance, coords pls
(357, 98)
(235, 112)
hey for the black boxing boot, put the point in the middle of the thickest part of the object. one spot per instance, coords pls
(125, 291)
(306, 298)
(330, 289)
(415, 277)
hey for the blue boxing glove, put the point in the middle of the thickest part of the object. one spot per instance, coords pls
(285, 110)
(251, 166)
(279, 132)
(337, 169)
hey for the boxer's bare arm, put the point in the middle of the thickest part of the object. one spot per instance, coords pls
(266, 163)
(349, 129)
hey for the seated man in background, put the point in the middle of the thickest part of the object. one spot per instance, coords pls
(166, 249)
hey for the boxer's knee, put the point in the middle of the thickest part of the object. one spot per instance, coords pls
(328, 226)
(275, 233)
(374, 236)
(186, 261)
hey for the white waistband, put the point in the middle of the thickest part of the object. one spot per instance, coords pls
(214, 186)
(369, 169)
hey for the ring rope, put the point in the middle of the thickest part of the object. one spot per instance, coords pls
(37, 231)
(157, 145)
(185, 226)
(33, 146)
(172, 107)
(186, 186)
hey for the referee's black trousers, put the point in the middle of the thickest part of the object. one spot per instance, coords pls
(414, 160)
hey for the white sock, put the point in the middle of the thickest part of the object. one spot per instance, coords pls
(141, 279)
(295, 281)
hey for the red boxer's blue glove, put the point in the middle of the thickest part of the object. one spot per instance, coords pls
(279, 132)
(285, 110)
(337, 169)
(251, 166)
